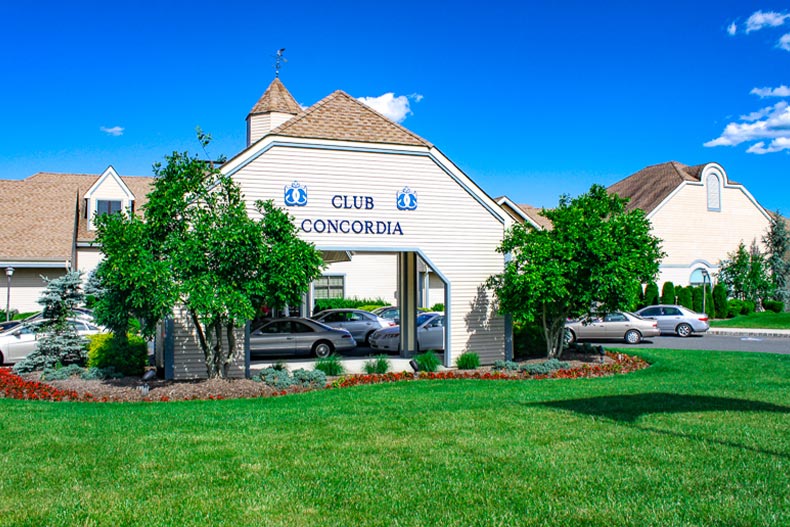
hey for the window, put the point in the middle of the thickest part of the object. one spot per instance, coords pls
(672, 312)
(329, 287)
(714, 192)
(651, 312)
(615, 317)
(106, 206)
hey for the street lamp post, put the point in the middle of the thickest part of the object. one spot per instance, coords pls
(705, 278)
(9, 272)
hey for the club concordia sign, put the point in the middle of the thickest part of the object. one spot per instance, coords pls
(296, 195)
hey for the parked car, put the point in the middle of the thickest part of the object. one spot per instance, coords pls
(17, 343)
(361, 324)
(8, 324)
(430, 334)
(617, 325)
(676, 320)
(79, 313)
(299, 336)
(388, 312)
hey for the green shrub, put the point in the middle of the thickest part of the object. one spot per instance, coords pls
(684, 297)
(347, 303)
(748, 307)
(105, 351)
(437, 307)
(585, 348)
(720, 301)
(100, 373)
(529, 340)
(278, 379)
(369, 307)
(668, 293)
(774, 305)
(507, 365)
(710, 307)
(696, 299)
(651, 294)
(427, 361)
(379, 364)
(543, 368)
(309, 378)
(330, 365)
(734, 307)
(468, 360)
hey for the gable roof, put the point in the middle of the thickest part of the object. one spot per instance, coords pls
(276, 98)
(42, 214)
(651, 185)
(534, 214)
(341, 117)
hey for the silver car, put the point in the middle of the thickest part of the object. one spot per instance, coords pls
(676, 320)
(299, 336)
(430, 334)
(361, 324)
(620, 326)
(17, 343)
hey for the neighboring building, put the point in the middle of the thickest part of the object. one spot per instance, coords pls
(699, 214)
(48, 228)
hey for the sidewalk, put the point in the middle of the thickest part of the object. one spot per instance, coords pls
(750, 332)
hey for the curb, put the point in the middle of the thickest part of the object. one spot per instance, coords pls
(739, 332)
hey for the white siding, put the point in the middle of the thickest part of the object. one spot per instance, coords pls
(369, 276)
(26, 288)
(189, 361)
(110, 189)
(88, 259)
(451, 228)
(261, 124)
(690, 232)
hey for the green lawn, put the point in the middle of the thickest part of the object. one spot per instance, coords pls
(700, 438)
(764, 320)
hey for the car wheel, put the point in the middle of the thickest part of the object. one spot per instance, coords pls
(569, 337)
(322, 349)
(632, 336)
(684, 330)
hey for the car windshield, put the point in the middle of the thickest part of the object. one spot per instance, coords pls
(634, 315)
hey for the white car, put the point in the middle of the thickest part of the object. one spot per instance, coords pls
(17, 343)
(430, 334)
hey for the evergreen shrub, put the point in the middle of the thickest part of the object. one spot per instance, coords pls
(507, 365)
(774, 305)
(684, 297)
(347, 303)
(720, 300)
(734, 307)
(543, 368)
(668, 293)
(651, 294)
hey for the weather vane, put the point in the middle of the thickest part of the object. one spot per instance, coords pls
(278, 62)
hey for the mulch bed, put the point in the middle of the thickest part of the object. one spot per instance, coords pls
(130, 389)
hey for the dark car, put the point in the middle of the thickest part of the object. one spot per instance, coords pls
(299, 336)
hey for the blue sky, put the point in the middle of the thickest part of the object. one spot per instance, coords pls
(530, 99)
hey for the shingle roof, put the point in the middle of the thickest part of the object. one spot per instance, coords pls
(276, 98)
(534, 214)
(341, 117)
(38, 214)
(651, 185)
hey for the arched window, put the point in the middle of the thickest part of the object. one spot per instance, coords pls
(700, 276)
(714, 192)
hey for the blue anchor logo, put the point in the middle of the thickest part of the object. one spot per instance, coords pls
(406, 199)
(295, 195)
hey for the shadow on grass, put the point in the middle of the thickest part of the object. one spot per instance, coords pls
(627, 409)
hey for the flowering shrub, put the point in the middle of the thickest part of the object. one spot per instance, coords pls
(15, 387)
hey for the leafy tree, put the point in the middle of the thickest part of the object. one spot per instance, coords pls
(777, 243)
(745, 274)
(198, 247)
(595, 257)
(668, 293)
(651, 294)
(59, 342)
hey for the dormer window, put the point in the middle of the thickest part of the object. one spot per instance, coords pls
(107, 206)
(713, 186)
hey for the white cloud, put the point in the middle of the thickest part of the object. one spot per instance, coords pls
(114, 131)
(777, 145)
(390, 106)
(771, 123)
(759, 20)
(784, 42)
(732, 29)
(781, 91)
